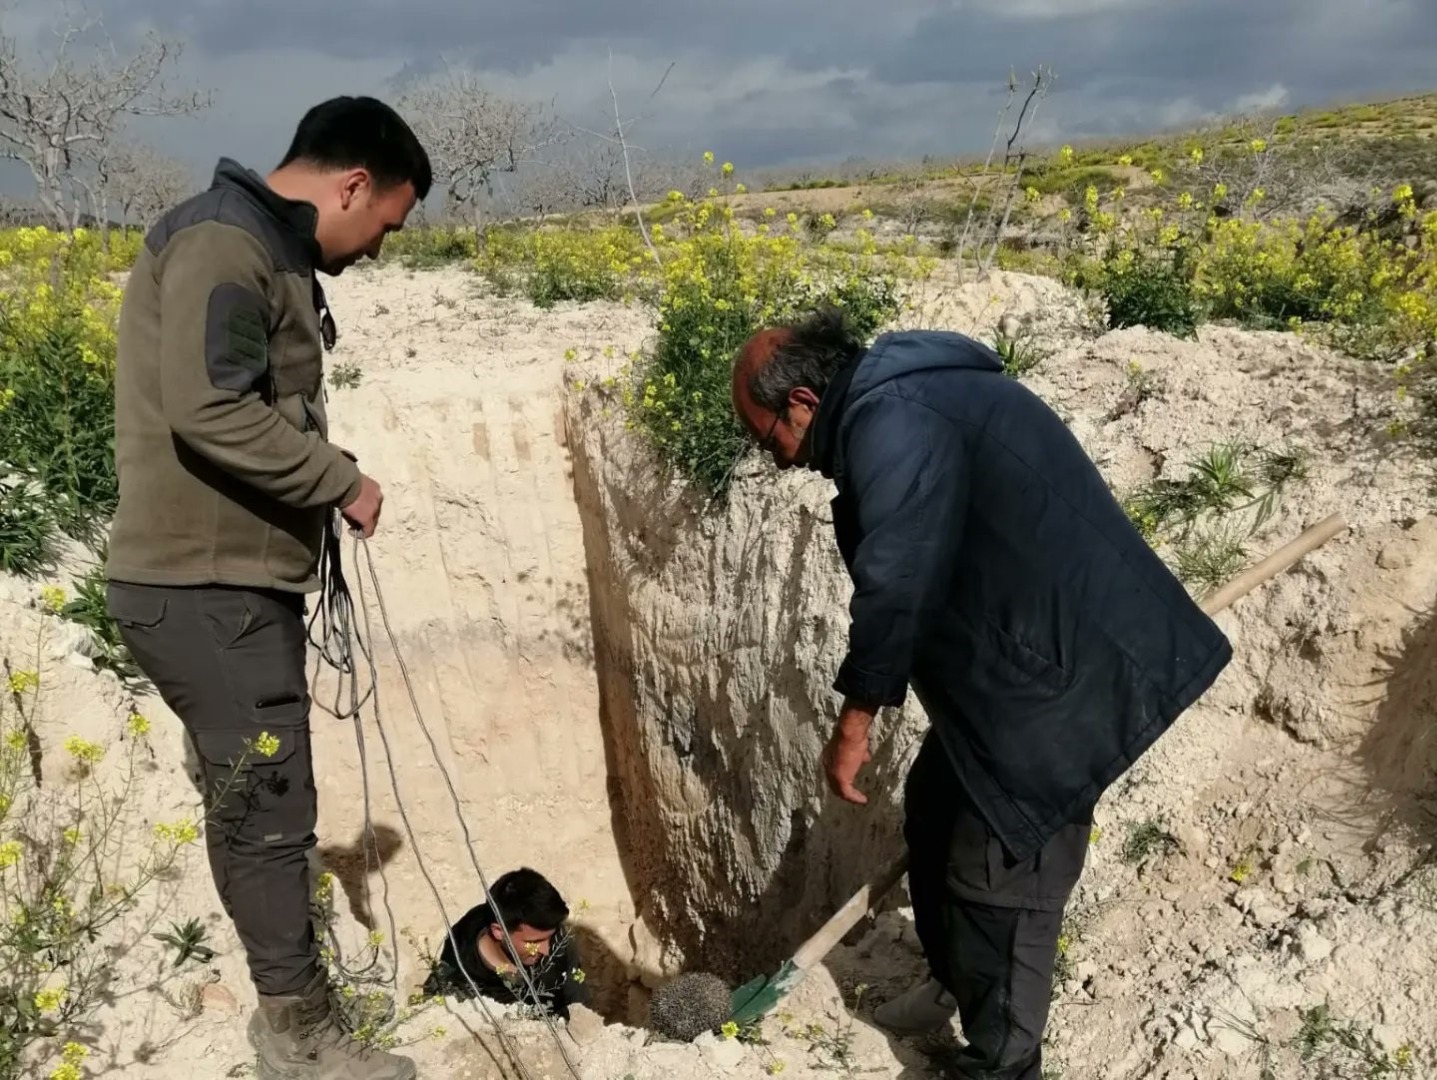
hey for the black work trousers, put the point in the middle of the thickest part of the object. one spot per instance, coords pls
(988, 924)
(230, 663)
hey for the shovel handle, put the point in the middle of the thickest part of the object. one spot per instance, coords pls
(868, 896)
(847, 917)
(1274, 564)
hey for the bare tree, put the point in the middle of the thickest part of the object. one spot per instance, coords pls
(139, 182)
(56, 116)
(1015, 157)
(472, 133)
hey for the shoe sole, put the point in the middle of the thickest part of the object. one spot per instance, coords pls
(265, 1071)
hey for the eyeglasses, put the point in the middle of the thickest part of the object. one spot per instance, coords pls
(767, 444)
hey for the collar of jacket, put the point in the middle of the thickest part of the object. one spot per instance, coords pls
(823, 439)
(296, 216)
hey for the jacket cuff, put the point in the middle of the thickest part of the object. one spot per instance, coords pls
(880, 690)
(347, 473)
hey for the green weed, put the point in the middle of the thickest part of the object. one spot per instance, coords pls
(188, 942)
(1145, 839)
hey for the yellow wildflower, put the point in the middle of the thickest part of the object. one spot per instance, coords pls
(24, 681)
(138, 725)
(70, 1059)
(730, 1030)
(728, 168)
(184, 832)
(72, 835)
(708, 157)
(266, 745)
(1258, 145)
(10, 852)
(52, 598)
(81, 750)
(50, 999)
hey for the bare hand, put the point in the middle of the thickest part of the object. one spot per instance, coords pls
(363, 511)
(844, 755)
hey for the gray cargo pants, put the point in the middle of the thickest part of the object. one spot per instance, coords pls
(230, 663)
(989, 924)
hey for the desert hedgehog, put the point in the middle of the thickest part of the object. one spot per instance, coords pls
(688, 1006)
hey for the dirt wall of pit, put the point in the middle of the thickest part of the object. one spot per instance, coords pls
(717, 636)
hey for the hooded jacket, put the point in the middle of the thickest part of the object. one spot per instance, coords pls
(226, 475)
(995, 573)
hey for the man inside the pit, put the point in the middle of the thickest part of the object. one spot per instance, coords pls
(995, 574)
(535, 915)
(227, 485)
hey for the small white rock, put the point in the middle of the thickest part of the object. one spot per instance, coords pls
(1230, 1042)
(1311, 945)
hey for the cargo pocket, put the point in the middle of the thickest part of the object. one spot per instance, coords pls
(135, 608)
(258, 779)
(228, 614)
(1021, 660)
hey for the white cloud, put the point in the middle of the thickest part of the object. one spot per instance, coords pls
(1274, 97)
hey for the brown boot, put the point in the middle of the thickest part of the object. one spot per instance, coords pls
(298, 1037)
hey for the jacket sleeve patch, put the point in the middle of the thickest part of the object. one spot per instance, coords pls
(236, 337)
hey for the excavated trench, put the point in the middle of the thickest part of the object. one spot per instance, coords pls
(563, 658)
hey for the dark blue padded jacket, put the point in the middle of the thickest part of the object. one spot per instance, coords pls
(995, 573)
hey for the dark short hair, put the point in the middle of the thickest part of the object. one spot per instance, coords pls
(526, 896)
(816, 349)
(365, 133)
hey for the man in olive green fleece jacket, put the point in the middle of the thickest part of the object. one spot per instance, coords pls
(227, 485)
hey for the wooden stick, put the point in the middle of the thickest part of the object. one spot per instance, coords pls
(1274, 564)
(868, 896)
(847, 917)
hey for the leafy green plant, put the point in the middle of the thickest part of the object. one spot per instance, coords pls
(1145, 839)
(428, 248)
(188, 941)
(1148, 288)
(89, 609)
(718, 286)
(27, 526)
(1019, 353)
(1342, 1049)
(346, 376)
(59, 421)
(1209, 556)
(75, 856)
(1227, 478)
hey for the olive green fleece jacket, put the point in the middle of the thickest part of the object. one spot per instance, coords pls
(221, 440)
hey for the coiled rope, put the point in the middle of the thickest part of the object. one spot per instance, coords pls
(343, 647)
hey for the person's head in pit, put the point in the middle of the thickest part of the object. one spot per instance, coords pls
(533, 911)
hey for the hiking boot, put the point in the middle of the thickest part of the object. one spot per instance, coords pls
(298, 1037)
(924, 1009)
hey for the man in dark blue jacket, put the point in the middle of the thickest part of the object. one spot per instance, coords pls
(996, 575)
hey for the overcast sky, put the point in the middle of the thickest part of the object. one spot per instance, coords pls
(798, 81)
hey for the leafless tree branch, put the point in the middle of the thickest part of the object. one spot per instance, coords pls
(472, 133)
(57, 117)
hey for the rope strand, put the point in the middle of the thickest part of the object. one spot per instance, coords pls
(336, 644)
